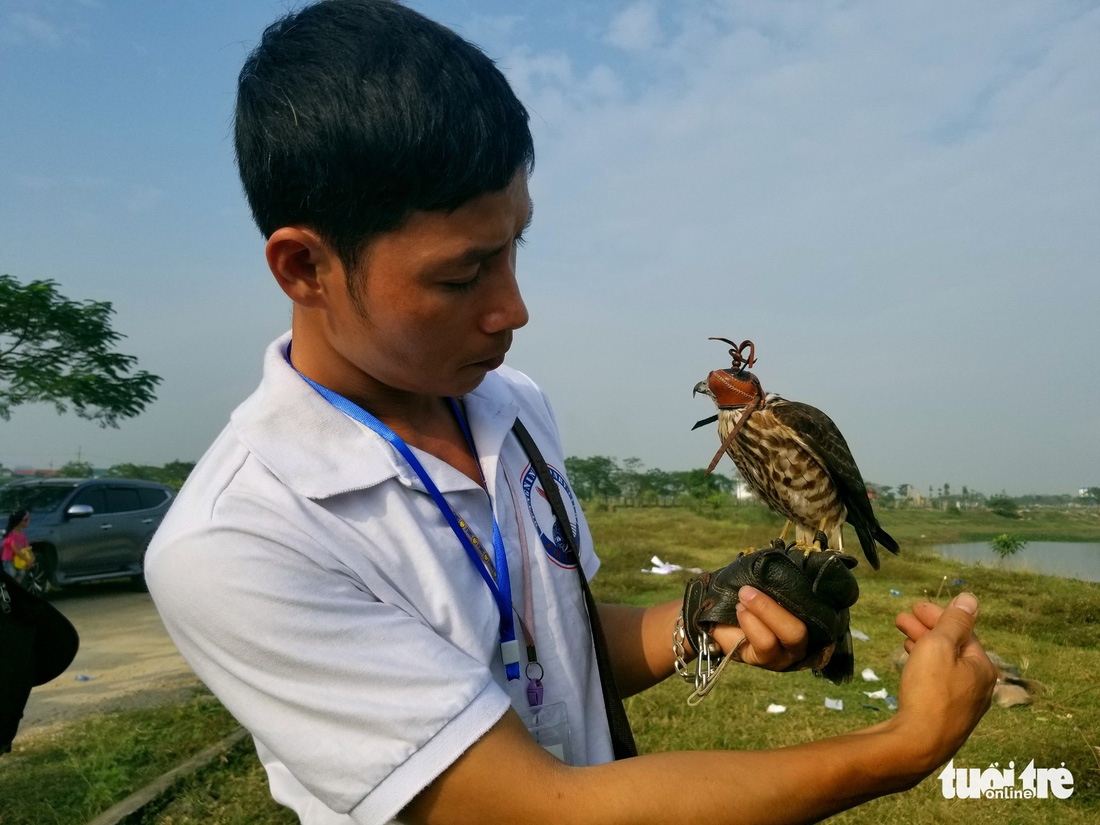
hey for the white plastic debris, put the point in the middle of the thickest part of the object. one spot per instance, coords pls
(876, 694)
(776, 709)
(869, 675)
(834, 704)
(859, 634)
(663, 568)
(801, 697)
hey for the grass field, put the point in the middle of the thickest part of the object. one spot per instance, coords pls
(1049, 627)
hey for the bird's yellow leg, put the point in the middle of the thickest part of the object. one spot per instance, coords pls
(820, 541)
(786, 527)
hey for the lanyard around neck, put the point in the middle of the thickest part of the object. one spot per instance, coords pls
(496, 577)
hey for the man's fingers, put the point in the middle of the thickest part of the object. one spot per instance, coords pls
(928, 613)
(790, 631)
(908, 624)
(762, 644)
(920, 621)
(776, 638)
(957, 621)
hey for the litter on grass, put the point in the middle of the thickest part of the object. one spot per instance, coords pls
(776, 709)
(875, 694)
(834, 704)
(859, 634)
(663, 568)
(869, 675)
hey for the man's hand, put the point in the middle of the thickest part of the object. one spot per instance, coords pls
(948, 681)
(774, 638)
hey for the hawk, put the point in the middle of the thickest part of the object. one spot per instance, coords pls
(793, 458)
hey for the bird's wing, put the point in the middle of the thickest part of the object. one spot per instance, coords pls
(822, 437)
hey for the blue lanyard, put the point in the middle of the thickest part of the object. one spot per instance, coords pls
(497, 578)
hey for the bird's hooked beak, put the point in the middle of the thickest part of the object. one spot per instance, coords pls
(702, 389)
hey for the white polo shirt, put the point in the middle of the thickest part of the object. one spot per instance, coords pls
(312, 583)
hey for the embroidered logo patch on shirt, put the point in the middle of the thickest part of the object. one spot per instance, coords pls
(550, 534)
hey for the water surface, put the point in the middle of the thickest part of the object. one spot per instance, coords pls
(1070, 560)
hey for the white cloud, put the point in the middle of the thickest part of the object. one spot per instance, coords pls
(635, 28)
(864, 190)
(20, 28)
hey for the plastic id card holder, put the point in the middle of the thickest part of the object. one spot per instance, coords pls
(549, 725)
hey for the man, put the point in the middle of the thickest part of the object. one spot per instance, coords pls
(312, 569)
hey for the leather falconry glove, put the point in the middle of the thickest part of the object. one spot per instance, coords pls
(817, 587)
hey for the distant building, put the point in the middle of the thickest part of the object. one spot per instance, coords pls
(741, 490)
(26, 473)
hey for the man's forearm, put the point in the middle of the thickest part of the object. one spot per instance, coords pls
(640, 643)
(802, 783)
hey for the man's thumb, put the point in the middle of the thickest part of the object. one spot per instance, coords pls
(959, 617)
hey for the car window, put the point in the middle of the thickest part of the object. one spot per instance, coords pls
(122, 499)
(93, 497)
(152, 497)
(37, 498)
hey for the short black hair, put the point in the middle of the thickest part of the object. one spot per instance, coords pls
(353, 113)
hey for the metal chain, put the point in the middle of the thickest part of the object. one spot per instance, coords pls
(709, 663)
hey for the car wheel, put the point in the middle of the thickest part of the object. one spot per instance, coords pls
(37, 580)
(138, 581)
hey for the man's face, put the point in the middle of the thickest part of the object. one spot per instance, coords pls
(437, 299)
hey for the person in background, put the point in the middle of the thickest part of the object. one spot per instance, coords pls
(17, 556)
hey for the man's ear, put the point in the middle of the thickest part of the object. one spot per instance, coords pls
(304, 265)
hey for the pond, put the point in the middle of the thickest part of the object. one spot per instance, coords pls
(1070, 560)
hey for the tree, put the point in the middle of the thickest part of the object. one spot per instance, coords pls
(593, 477)
(1094, 494)
(59, 351)
(1004, 505)
(76, 469)
(174, 473)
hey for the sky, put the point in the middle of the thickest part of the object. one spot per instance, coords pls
(897, 202)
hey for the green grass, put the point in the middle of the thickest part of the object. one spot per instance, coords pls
(70, 774)
(1049, 627)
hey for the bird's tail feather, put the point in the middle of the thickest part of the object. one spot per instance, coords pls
(886, 540)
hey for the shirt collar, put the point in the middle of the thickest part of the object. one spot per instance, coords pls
(318, 451)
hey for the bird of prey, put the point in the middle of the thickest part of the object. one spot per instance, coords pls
(793, 457)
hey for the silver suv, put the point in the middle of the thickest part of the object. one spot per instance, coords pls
(87, 529)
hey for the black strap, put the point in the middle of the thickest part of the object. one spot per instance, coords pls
(622, 740)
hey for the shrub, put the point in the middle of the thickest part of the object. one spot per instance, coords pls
(1006, 545)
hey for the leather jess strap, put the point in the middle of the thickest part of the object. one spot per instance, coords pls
(622, 740)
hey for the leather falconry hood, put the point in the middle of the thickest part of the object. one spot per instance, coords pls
(733, 388)
(736, 386)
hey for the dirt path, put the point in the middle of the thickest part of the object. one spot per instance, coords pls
(124, 650)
